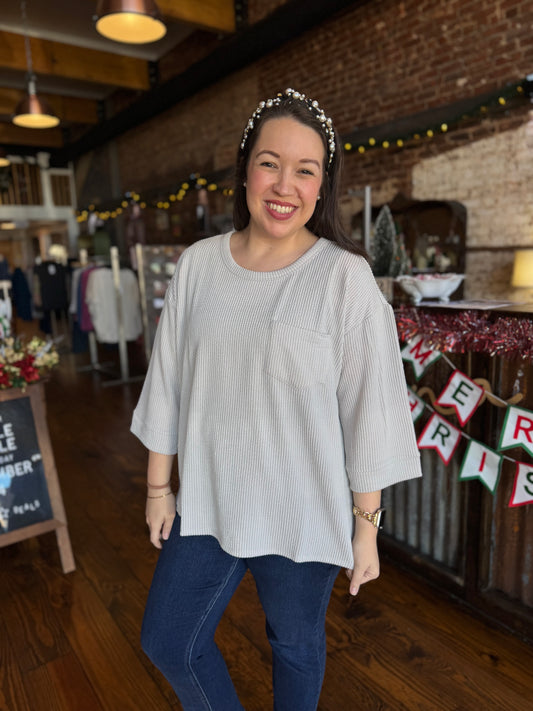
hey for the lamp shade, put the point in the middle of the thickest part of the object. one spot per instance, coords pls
(33, 111)
(131, 21)
(523, 268)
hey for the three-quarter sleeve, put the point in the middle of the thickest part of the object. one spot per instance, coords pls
(379, 437)
(155, 419)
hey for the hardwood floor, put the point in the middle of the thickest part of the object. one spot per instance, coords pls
(71, 642)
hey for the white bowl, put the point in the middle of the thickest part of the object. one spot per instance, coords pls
(430, 286)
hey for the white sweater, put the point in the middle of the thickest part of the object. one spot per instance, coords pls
(280, 391)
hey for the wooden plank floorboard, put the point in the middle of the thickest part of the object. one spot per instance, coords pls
(71, 642)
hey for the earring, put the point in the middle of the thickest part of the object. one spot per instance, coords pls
(318, 198)
(244, 184)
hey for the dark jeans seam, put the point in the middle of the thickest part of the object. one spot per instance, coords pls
(198, 630)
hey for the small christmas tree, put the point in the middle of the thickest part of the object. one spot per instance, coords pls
(389, 257)
(384, 243)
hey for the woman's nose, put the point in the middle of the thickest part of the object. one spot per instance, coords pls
(283, 183)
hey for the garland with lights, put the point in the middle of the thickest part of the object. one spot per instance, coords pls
(429, 124)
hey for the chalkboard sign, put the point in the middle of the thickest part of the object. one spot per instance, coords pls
(30, 496)
(23, 490)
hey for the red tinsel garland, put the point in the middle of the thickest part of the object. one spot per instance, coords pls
(468, 331)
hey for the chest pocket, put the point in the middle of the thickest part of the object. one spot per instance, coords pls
(298, 356)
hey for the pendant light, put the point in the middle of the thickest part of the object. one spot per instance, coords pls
(32, 111)
(4, 160)
(131, 21)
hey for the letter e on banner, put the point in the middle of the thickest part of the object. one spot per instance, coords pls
(440, 435)
(517, 430)
(463, 394)
(482, 463)
(416, 404)
(523, 485)
(420, 355)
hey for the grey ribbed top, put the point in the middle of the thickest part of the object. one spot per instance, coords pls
(280, 391)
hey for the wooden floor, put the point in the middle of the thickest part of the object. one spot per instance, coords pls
(71, 642)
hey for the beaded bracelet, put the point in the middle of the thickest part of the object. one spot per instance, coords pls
(162, 496)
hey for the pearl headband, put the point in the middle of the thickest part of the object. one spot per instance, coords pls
(327, 123)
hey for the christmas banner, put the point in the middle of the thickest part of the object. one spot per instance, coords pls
(420, 355)
(438, 434)
(482, 463)
(523, 485)
(517, 430)
(463, 394)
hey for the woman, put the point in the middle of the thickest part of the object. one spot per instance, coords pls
(276, 378)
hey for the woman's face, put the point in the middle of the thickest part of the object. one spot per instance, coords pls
(284, 176)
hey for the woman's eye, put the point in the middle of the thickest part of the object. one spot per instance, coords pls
(268, 164)
(306, 171)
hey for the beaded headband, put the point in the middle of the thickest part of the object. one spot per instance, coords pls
(327, 123)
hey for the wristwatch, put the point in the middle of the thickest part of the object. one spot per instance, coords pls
(376, 518)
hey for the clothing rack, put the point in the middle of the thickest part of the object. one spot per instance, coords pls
(124, 376)
(122, 344)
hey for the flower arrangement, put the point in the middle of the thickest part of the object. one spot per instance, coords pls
(22, 363)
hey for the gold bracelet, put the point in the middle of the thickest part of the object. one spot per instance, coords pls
(162, 496)
(157, 486)
(376, 518)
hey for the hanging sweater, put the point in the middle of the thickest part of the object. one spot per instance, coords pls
(280, 391)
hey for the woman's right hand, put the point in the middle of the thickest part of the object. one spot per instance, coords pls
(160, 514)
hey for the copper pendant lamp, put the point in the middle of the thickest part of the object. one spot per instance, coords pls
(32, 111)
(131, 21)
(4, 160)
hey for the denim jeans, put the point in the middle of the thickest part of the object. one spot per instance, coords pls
(193, 583)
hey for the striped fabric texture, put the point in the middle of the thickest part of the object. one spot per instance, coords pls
(280, 392)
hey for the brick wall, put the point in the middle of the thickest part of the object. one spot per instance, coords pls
(367, 65)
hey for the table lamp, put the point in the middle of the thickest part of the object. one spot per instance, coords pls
(523, 269)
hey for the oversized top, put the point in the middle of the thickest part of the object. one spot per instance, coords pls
(280, 391)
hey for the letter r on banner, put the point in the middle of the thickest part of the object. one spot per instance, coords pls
(440, 435)
(517, 430)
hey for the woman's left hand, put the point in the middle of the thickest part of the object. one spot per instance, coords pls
(365, 555)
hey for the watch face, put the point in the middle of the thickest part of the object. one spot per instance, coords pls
(381, 518)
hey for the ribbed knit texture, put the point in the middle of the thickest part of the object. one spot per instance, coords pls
(280, 391)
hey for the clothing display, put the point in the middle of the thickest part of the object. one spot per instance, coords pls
(236, 354)
(101, 300)
(52, 285)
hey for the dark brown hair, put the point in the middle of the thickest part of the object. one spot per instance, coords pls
(325, 221)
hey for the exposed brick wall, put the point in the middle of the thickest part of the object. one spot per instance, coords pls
(367, 65)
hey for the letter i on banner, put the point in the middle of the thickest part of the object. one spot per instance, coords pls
(420, 355)
(482, 463)
(517, 430)
(523, 485)
(463, 394)
(416, 404)
(440, 435)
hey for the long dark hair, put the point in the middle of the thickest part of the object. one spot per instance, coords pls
(325, 221)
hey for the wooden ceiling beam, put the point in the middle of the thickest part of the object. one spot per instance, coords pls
(70, 109)
(79, 63)
(43, 138)
(216, 15)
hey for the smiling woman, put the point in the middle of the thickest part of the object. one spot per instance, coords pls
(277, 379)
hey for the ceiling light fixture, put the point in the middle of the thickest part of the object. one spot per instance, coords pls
(4, 159)
(131, 21)
(32, 111)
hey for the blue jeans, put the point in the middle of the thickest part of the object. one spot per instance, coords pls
(193, 583)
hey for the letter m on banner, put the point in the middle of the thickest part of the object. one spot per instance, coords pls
(517, 430)
(420, 355)
(440, 435)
